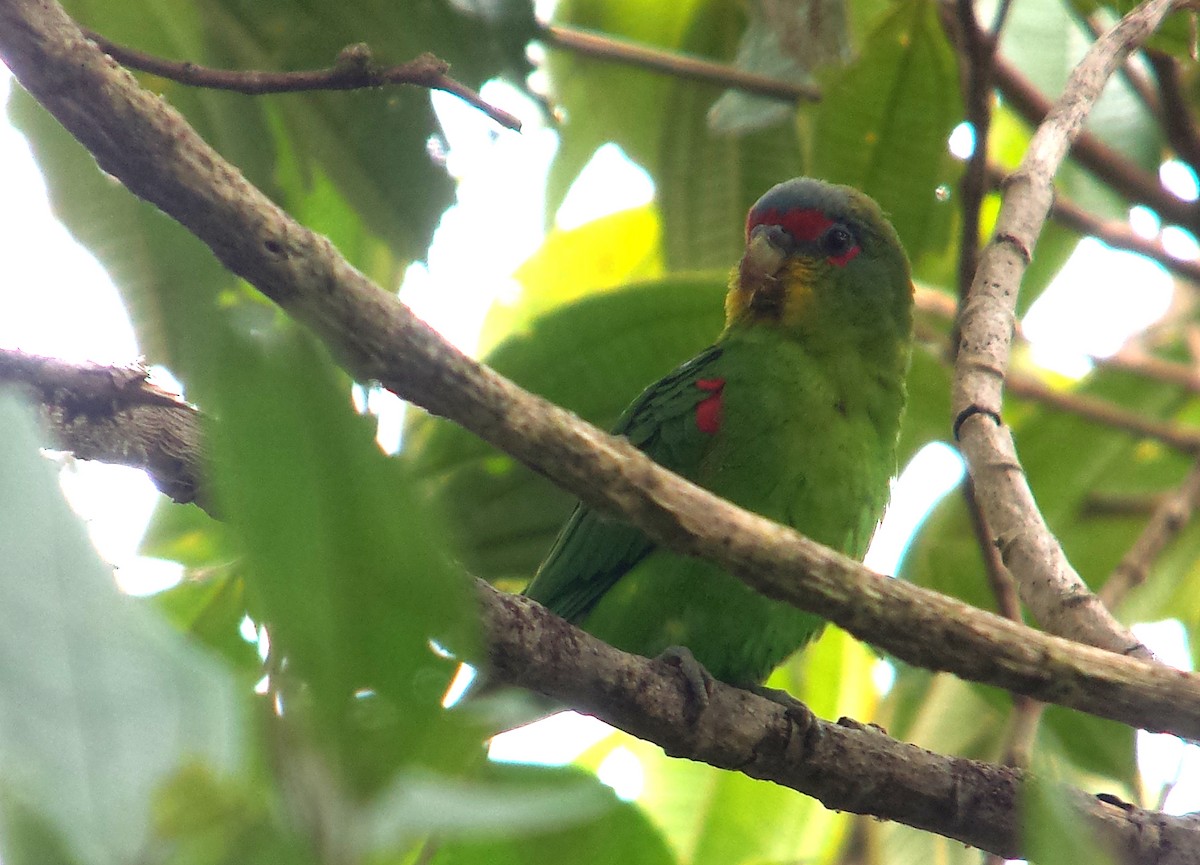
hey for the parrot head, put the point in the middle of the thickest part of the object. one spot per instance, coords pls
(821, 260)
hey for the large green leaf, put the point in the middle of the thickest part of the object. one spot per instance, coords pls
(100, 702)
(554, 800)
(353, 165)
(345, 562)
(883, 123)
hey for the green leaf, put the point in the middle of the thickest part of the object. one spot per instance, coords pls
(784, 41)
(883, 123)
(1045, 41)
(606, 253)
(344, 558)
(201, 819)
(620, 832)
(187, 535)
(1052, 829)
(211, 610)
(593, 357)
(100, 702)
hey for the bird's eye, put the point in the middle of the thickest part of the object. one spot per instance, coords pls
(837, 242)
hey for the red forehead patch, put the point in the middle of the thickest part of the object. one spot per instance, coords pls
(803, 225)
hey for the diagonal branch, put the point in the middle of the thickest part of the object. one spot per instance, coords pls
(1055, 594)
(354, 69)
(148, 145)
(604, 47)
(1171, 515)
(847, 766)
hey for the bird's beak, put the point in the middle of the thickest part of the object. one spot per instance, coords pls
(766, 252)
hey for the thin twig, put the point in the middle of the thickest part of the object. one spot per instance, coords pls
(605, 47)
(354, 69)
(1178, 117)
(1120, 236)
(1026, 713)
(1148, 366)
(1181, 438)
(1052, 590)
(977, 53)
(1106, 504)
(1170, 517)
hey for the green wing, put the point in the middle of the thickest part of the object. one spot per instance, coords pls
(593, 551)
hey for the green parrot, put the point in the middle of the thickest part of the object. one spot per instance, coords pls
(793, 413)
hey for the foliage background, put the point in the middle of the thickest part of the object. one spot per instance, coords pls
(354, 561)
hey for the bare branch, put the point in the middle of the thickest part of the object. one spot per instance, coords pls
(115, 414)
(847, 766)
(354, 69)
(609, 48)
(1171, 515)
(1179, 120)
(1053, 591)
(1182, 438)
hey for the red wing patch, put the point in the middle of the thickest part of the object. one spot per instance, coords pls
(708, 412)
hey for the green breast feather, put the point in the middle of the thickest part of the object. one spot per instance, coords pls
(788, 446)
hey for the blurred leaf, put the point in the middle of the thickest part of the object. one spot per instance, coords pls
(708, 180)
(593, 356)
(883, 123)
(1093, 745)
(187, 535)
(1052, 829)
(1045, 41)
(785, 40)
(203, 820)
(100, 701)
(211, 610)
(608, 252)
(343, 557)
(503, 801)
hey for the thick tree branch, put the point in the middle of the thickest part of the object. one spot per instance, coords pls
(1050, 587)
(354, 69)
(116, 415)
(846, 765)
(148, 145)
